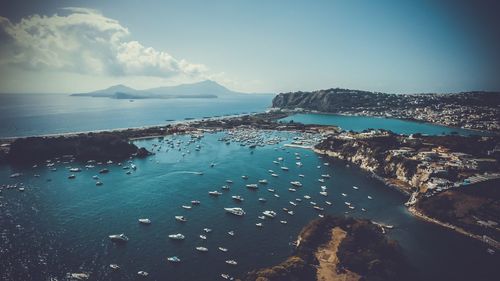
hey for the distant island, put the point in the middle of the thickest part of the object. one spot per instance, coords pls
(469, 110)
(334, 248)
(202, 90)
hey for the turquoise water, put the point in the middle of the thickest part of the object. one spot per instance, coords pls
(61, 225)
(360, 123)
(37, 114)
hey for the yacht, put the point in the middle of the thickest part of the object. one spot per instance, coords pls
(296, 183)
(276, 195)
(145, 221)
(177, 236)
(186, 207)
(118, 238)
(203, 237)
(252, 186)
(270, 190)
(181, 218)
(274, 175)
(313, 203)
(173, 259)
(271, 171)
(369, 197)
(238, 198)
(324, 193)
(298, 199)
(307, 197)
(269, 214)
(291, 213)
(351, 207)
(95, 177)
(355, 187)
(263, 181)
(235, 211)
(298, 163)
(223, 249)
(230, 233)
(363, 209)
(201, 249)
(284, 168)
(114, 266)
(231, 262)
(276, 162)
(214, 193)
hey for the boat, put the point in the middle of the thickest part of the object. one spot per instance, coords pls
(114, 266)
(173, 259)
(142, 273)
(321, 180)
(229, 181)
(270, 171)
(296, 183)
(328, 203)
(244, 177)
(225, 187)
(274, 175)
(207, 230)
(72, 176)
(104, 171)
(21, 189)
(214, 193)
(298, 199)
(262, 217)
(78, 276)
(252, 186)
(284, 168)
(313, 203)
(235, 211)
(291, 213)
(270, 190)
(283, 222)
(263, 181)
(318, 208)
(355, 187)
(195, 202)
(369, 197)
(321, 215)
(75, 170)
(298, 163)
(258, 224)
(343, 194)
(326, 176)
(301, 175)
(181, 218)
(324, 193)
(238, 198)
(226, 276)
(269, 214)
(351, 207)
(307, 197)
(231, 262)
(186, 207)
(276, 195)
(177, 236)
(230, 233)
(292, 203)
(95, 177)
(276, 162)
(118, 237)
(292, 189)
(262, 199)
(201, 249)
(363, 209)
(347, 203)
(203, 237)
(98, 183)
(145, 221)
(222, 249)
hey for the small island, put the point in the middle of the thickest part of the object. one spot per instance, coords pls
(334, 248)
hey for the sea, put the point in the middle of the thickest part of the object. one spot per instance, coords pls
(59, 225)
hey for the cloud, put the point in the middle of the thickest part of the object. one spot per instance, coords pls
(84, 41)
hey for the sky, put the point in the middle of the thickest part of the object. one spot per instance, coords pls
(268, 46)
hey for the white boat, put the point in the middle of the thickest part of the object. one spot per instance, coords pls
(186, 207)
(238, 198)
(263, 181)
(313, 203)
(296, 183)
(177, 236)
(363, 209)
(292, 189)
(72, 176)
(347, 203)
(276, 195)
(225, 187)
(298, 199)
(355, 187)
(351, 207)
(181, 218)
(274, 175)
(262, 217)
(292, 203)
(258, 224)
(324, 193)
(270, 190)
(252, 186)
(290, 213)
(328, 203)
(369, 197)
(203, 237)
(78, 276)
(195, 202)
(283, 222)
(276, 162)
(321, 180)
(307, 197)
(226, 276)
(118, 237)
(114, 266)
(174, 259)
(214, 193)
(269, 214)
(142, 273)
(262, 199)
(222, 249)
(326, 176)
(230, 233)
(284, 168)
(301, 175)
(207, 230)
(145, 221)
(318, 208)
(298, 163)
(75, 170)
(231, 262)
(244, 177)
(95, 177)
(270, 171)
(235, 211)
(229, 181)
(343, 194)
(98, 183)
(201, 249)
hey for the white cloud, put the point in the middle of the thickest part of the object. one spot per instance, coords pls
(85, 41)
